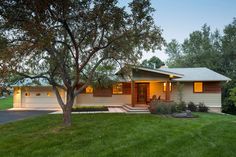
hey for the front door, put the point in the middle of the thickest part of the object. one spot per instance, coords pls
(142, 93)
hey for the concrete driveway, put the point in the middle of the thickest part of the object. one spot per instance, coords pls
(10, 116)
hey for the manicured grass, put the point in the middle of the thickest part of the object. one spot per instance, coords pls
(6, 103)
(210, 135)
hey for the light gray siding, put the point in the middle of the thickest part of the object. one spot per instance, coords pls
(209, 99)
(89, 99)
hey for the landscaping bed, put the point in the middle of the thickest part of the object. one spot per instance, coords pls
(89, 108)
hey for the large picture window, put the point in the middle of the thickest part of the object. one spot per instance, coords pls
(117, 88)
(198, 87)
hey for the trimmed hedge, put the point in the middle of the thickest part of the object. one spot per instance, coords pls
(89, 108)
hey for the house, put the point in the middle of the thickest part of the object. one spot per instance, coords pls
(194, 84)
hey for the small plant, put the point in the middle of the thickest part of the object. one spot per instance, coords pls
(202, 107)
(192, 107)
(181, 106)
(180, 87)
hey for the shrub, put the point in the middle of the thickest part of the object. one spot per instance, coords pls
(181, 106)
(202, 107)
(89, 108)
(192, 107)
(162, 107)
(229, 107)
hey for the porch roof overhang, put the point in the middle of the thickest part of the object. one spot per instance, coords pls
(160, 71)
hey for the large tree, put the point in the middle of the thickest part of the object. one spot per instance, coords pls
(65, 41)
(153, 63)
(209, 49)
(202, 48)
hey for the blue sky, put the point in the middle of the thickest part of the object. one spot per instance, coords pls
(178, 18)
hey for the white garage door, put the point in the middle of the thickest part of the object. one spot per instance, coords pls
(39, 98)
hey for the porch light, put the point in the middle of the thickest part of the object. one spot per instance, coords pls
(48, 93)
(18, 91)
(164, 87)
(171, 76)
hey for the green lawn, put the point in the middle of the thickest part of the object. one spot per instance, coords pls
(6, 103)
(111, 135)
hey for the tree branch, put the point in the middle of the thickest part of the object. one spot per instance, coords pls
(89, 77)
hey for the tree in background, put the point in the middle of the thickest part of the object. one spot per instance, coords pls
(153, 63)
(64, 42)
(209, 49)
(202, 48)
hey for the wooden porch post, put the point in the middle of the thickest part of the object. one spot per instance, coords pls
(132, 93)
(167, 90)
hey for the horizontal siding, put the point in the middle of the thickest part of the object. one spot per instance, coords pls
(209, 99)
(89, 99)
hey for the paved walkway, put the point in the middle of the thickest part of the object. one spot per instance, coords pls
(116, 109)
(10, 116)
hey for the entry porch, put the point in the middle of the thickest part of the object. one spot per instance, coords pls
(142, 92)
(147, 83)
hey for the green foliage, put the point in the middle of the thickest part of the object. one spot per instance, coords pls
(153, 63)
(229, 107)
(202, 107)
(200, 49)
(180, 87)
(192, 107)
(232, 95)
(205, 48)
(89, 108)
(162, 107)
(72, 42)
(181, 106)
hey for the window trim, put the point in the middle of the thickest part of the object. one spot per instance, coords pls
(194, 87)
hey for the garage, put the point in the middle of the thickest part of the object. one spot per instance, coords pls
(36, 97)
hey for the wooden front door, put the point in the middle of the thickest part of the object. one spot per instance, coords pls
(142, 93)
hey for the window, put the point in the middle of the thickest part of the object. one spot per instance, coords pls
(198, 87)
(38, 94)
(89, 90)
(27, 94)
(164, 87)
(117, 88)
(49, 93)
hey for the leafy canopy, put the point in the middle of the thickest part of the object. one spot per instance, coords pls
(65, 42)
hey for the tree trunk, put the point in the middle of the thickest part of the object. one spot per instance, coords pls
(67, 117)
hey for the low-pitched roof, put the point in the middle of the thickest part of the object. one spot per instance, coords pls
(196, 74)
(161, 71)
(31, 82)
